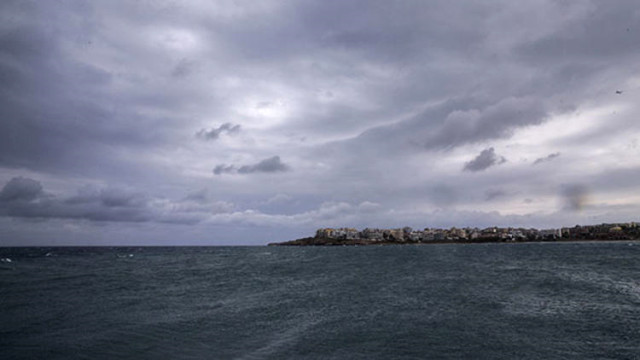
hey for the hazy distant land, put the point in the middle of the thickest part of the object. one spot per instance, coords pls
(407, 235)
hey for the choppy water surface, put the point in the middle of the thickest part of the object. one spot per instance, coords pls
(486, 301)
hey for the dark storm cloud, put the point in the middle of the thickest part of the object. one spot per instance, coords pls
(370, 35)
(21, 189)
(374, 34)
(486, 159)
(24, 198)
(213, 134)
(109, 197)
(546, 158)
(106, 205)
(32, 92)
(507, 98)
(60, 109)
(394, 32)
(270, 165)
(492, 122)
(446, 125)
(392, 56)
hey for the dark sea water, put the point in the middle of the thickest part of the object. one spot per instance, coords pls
(484, 301)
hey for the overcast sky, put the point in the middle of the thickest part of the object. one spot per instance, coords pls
(244, 122)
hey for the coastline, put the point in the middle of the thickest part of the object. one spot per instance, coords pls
(408, 236)
(449, 242)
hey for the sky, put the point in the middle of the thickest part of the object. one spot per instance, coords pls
(248, 122)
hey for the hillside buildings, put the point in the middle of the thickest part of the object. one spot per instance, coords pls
(407, 235)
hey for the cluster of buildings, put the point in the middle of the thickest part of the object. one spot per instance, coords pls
(622, 231)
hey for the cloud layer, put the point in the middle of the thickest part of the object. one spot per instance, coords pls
(25, 198)
(381, 114)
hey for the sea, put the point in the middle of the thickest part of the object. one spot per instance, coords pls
(448, 301)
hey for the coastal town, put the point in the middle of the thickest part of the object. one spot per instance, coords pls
(407, 235)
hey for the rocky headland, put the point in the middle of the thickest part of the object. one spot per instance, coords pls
(407, 235)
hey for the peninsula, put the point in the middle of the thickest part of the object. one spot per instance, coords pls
(406, 235)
